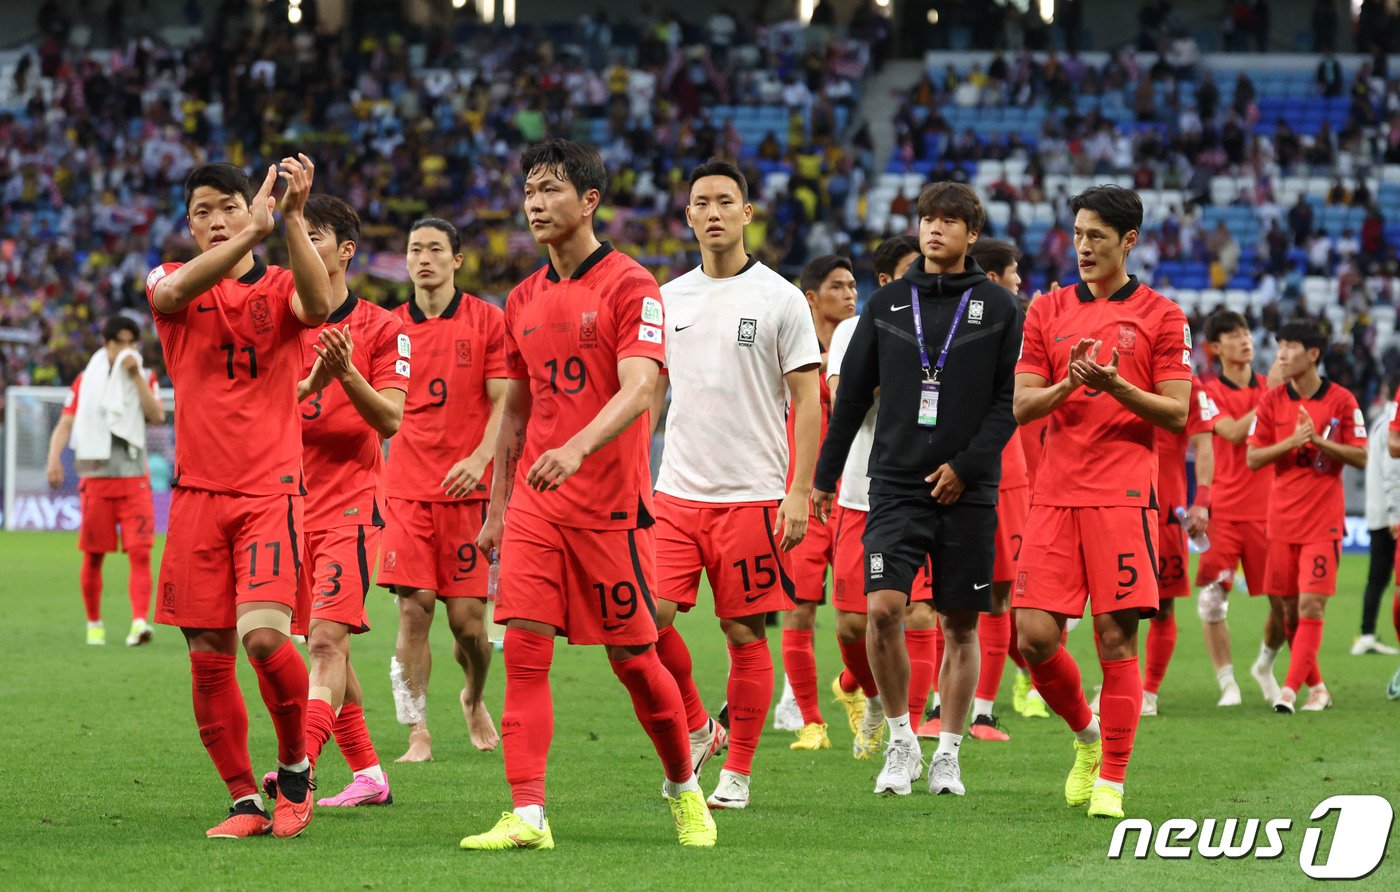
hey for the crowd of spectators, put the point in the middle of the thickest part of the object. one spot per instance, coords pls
(94, 152)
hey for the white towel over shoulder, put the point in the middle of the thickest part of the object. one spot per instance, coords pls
(108, 405)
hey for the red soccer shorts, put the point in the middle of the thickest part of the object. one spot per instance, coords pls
(224, 550)
(809, 561)
(594, 586)
(335, 577)
(1310, 568)
(848, 563)
(733, 544)
(432, 546)
(1012, 507)
(1233, 542)
(1173, 559)
(1104, 556)
(111, 502)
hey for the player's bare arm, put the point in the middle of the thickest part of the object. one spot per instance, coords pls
(658, 400)
(312, 299)
(1035, 397)
(151, 406)
(1259, 456)
(1235, 430)
(510, 445)
(179, 288)
(636, 379)
(1352, 455)
(462, 477)
(381, 409)
(58, 440)
(317, 379)
(804, 386)
(1198, 516)
(1166, 408)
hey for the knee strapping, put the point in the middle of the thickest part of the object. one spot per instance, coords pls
(264, 618)
(1212, 604)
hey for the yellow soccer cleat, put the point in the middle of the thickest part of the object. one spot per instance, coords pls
(1020, 691)
(1079, 786)
(1105, 802)
(96, 635)
(1035, 707)
(694, 824)
(812, 737)
(510, 832)
(854, 703)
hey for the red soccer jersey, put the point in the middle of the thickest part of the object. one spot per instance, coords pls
(1171, 449)
(1015, 473)
(70, 405)
(566, 337)
(343, 455)
(824, 395)
(446, 409)
(234, 356)
(1097, 453)
(1237, 493)
(1307, 504)
(1032, 437)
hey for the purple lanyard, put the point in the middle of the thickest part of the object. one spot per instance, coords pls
(931, 374)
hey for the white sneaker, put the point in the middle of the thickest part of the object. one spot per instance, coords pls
(945, 775)
(904, 764)
(1318, 700)
(1367, 644)
(140, 633)
(1229, 695)
(705, 743)
(732, 792)
(1149, 703)
(788, 715)
(1264, 674)
(1392, 690)
(1285, 702)
(1094, 703)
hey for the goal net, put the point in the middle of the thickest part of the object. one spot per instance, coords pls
(30, 504)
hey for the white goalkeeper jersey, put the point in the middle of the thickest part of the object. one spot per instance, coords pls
(854, 490)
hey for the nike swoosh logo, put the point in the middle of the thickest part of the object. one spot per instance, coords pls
(530, 331)
(978, 588)
(456, 578)
(901, 307)
(683, 327)
(1121, 595)
(749, 599)
(203, 309)
(319, 604)
(1059, 338)
(253, 585)
(613, 627)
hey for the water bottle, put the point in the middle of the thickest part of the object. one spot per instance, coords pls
(1197, 543)
(493, 587)
(493, 577)
(1322, 462)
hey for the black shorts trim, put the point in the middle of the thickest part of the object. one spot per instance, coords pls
(1147, 543)
(641, 576)
(789, 587)
(292, 535)
(364, 562)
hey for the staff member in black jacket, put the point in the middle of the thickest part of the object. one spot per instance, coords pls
(941, 347)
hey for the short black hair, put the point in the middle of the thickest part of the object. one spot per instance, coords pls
(118, 324)
(453, 237)
(328, 212)
(817, 269)
(580, 164)
(994, 255)
(718, 167)
(1304, 331)
(1118, 207)
(222, 177)
(952, 201)
(1222, 322)
(892, 250)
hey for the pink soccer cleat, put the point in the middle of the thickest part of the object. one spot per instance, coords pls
(363, 790)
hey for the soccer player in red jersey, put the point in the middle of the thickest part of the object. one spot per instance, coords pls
(438, 481)
(1307, 429)
(584, 345)
(114, 489)
(1239, 508)
(1108, 360)
(231, 329)
(1173, 558)
(352, 399)
(829, 286)
(741, 338)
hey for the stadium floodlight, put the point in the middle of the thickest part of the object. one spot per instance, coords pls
(933, 17)
(487, 10)
(458, 4)
(1047, 11)
(805, 10)
(294, 14)
(508, 13)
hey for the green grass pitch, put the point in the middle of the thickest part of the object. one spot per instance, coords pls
(105, 784)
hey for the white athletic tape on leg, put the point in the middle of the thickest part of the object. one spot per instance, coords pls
(264, 618)
(1212, 604)
(411, 710)
(319, 692)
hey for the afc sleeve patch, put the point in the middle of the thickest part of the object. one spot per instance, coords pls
(405, 347)
(401, 367)
(154, 276)
(1253, 423)
(1208, 408)
(651, 311)
(1186, 334)
(649, 333)
(1359, 420)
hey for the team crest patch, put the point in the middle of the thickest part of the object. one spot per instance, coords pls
(748, 331)
(651, 311)
(1021, 582)
(974, 313)
(391, 560)
(588, 327)
(464, 354)
(262, 315)
(877, 564)
(168, 596)
(1127, 338)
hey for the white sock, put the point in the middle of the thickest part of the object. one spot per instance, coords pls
(900, 728)
(374, 773)
(1034, 695)
(673, 790)
(95, 624)
(873, 703)
(948, 743)
(304, 764)
(1267, 655)
(1024, 673)
(1090, 732)
(255, 798)
(981, 707)
(1113, 785)
(1226, 676)
(532, 815)
(787, 689)
(937, 700)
